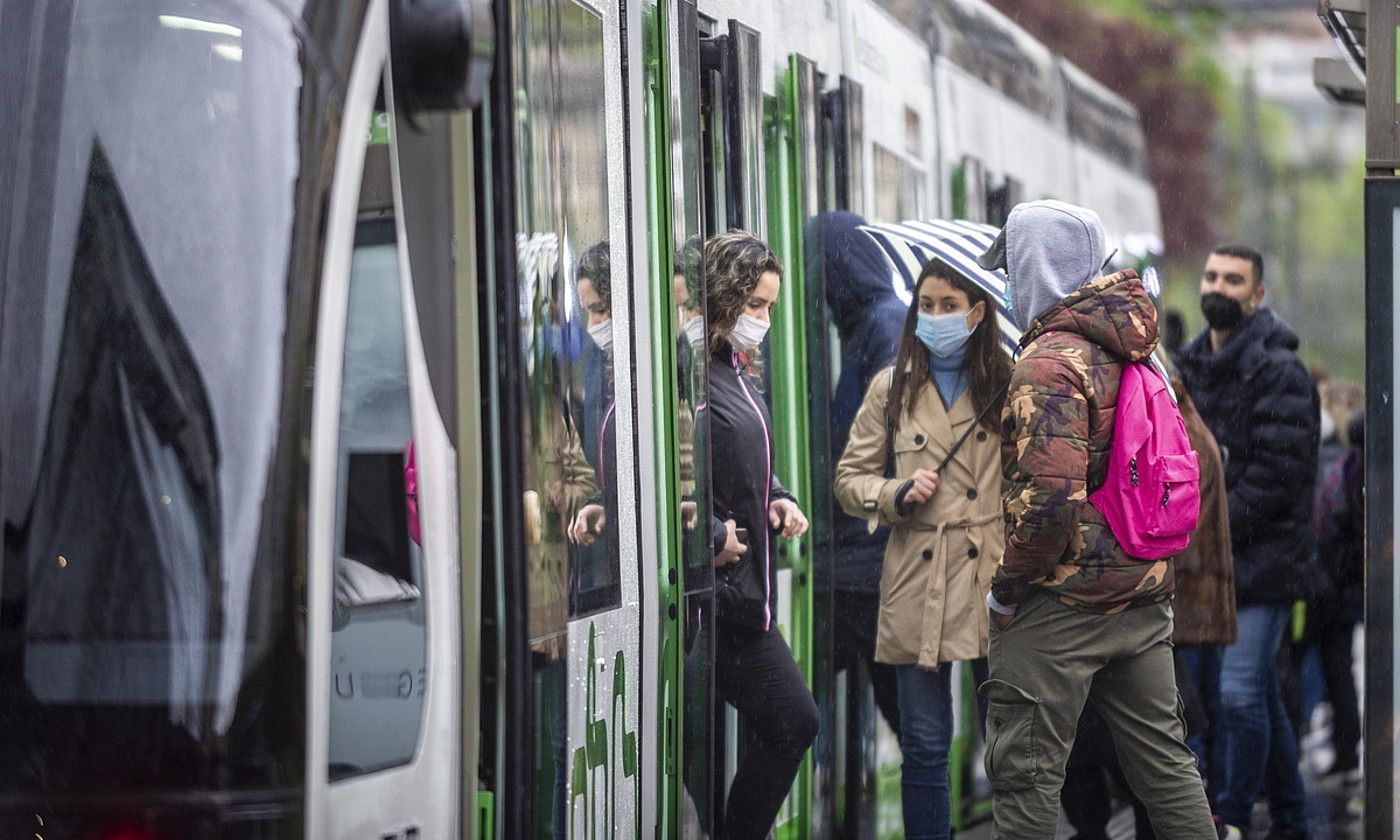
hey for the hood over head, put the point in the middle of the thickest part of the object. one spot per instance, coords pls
(1052, 248)
(858, 276)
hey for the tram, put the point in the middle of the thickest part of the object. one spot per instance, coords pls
(322, 325)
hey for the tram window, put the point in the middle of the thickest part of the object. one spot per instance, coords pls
(898, 187)
(565, 287)
(993, 49)
(913, 138)
(149, 568)
(1097, 119)
(378, 638)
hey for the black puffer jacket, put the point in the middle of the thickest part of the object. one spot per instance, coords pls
(743, 485)
(1261, 405)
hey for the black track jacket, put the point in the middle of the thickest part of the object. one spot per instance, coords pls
(743, 486)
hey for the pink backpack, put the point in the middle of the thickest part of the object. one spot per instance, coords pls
(1152, 496)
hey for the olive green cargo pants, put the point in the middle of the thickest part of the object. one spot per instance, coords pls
(1042, 669)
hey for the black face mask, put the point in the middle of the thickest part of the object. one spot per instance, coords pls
(1222, 313)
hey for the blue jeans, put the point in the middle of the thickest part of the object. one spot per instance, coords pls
(926, 730)
(1256, 739)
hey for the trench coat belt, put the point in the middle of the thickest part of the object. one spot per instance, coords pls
(957, 523)
(933, 593)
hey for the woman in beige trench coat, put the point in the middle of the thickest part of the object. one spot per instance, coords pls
(947, 533)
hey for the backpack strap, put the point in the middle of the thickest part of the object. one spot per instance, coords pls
(1156, 364)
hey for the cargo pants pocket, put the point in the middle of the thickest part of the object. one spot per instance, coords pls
(1013, 754)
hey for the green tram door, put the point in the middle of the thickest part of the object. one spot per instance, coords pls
(684, 697)
(762, 172)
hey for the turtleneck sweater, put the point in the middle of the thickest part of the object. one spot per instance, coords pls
(949, 375)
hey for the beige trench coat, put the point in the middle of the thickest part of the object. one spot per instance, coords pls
(940, 561)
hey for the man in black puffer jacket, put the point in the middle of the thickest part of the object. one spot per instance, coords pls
(1244, 374)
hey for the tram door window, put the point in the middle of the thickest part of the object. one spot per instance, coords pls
(378, 638)
(899, 187)
(691, 353)
(569, 439)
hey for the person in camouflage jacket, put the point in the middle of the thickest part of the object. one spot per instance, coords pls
(1057, 430)
(1075, 617)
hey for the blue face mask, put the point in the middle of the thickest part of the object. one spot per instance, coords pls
(1006, 297)
(943, 335)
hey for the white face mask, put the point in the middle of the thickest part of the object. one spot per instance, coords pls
(748, 333)
(602, 335)
(695, 330)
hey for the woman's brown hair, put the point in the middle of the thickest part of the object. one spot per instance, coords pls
(986, 364)
(733, 262)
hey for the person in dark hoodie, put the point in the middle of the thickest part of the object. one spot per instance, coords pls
(1075, 617)
(754, 668)
(869, 315)
(1259, 401)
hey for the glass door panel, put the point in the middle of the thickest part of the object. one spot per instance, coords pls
(585, 750)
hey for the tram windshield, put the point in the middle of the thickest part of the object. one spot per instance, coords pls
(146, 580)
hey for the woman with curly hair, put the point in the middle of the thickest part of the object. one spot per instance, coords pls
(754, 669)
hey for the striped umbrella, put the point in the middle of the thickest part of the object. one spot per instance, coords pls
(909, 245)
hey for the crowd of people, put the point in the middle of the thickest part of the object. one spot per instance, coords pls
(989, 518)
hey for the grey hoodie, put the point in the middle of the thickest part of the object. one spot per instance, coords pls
(1052, 248)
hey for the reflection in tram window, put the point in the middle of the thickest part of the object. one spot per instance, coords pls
(146, 575)
(595, 581)
(109, 575)
(689, 297)
(568, 439)
(378, 658)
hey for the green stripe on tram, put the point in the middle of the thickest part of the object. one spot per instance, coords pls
(789, 384)
(670, 572)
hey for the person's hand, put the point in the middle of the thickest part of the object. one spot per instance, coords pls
(733, 549)
(589, 522)
(785, 514)
(690, 513)
(924, 486)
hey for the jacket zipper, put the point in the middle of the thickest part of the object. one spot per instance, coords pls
(767, 490)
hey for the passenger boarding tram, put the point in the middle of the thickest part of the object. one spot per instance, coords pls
(322, 323)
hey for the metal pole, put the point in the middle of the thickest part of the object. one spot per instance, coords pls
(1382, 209)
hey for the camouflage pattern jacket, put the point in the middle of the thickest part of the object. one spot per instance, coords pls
(1057, 428)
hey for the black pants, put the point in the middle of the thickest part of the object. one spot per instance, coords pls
(756, 674)
(856, 621)
(1332, 631)
(1329, 628)
(1085, 795)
